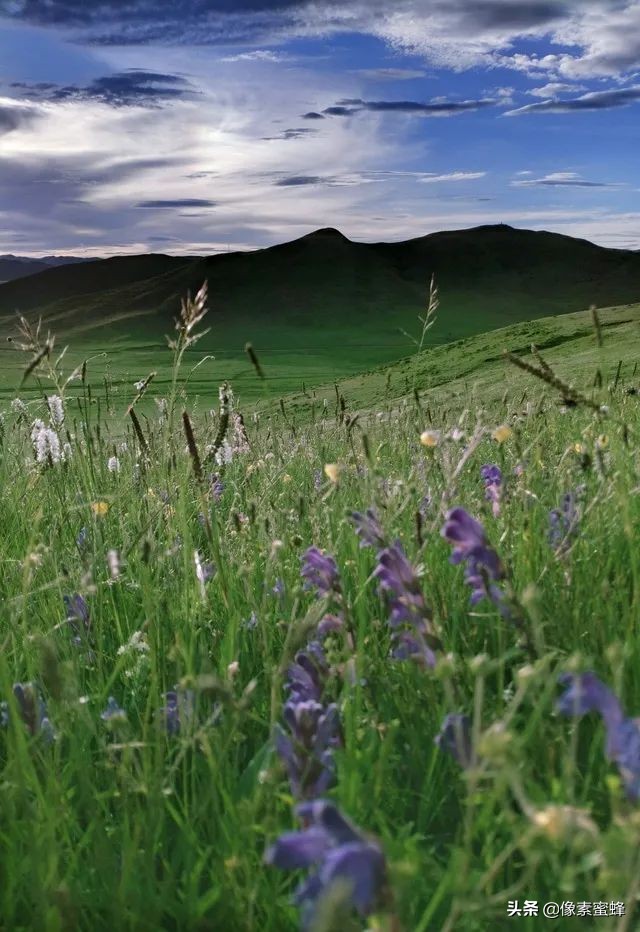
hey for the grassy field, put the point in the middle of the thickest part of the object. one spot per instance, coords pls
(159, 564)
(317, 309)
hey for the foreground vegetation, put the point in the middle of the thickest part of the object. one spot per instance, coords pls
(154, 615)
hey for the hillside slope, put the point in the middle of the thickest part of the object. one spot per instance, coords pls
(318, 308)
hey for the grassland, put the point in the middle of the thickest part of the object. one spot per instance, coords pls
(318, 309)
(127, 821)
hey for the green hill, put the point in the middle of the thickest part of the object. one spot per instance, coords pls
(319, 308)
(473, 373)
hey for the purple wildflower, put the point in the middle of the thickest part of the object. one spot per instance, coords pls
(368, 528)
(77, 611)
(279, 588)
(307, 674)
(177, 712)
(307, 748)
(113, 712)
(455, 737)
(216, 487)
(320, 572)
(470, 545)
(563, 523)
(492, 478)
(32, 710)
(410, 619)
(585, 692)
(337, 854)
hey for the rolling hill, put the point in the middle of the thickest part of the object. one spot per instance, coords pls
(321, 307)
(12, 267)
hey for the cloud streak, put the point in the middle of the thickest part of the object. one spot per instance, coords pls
(596, 100)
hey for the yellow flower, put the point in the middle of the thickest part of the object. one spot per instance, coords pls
(579, 448)
(502, 433)
(332, 471)
(100, 508)
(430, 438)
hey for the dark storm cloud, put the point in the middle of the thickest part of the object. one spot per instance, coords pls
(312, 115)
(125, 88)
(295, 181)
(12, 118)
(176, 203)
(598, 100)
(436, 108)
(120, 21)
(297, 132)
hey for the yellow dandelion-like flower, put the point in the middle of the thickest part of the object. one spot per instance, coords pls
(579, 448)
(100, 508)
(332, 471)
(502, 433)
(430, 438)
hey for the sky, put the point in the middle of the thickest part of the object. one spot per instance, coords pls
(197, 126)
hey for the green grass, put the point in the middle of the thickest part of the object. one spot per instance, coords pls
(125, 827)
(317, 309)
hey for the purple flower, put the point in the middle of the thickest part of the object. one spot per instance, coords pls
(216, 487)
(178, 710)
(113, 712)
(585, 692)
(368, 528)
(307, 674)
(410, 619)
(307, 748)
(77, 611)
(32, 710)
(483, 566)
(492, 478)
(337, 855)
(320, 572)
(563, 522)
(278, 588)
(455, 738)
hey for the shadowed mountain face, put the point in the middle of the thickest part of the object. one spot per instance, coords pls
(325, 305)
(12, 267)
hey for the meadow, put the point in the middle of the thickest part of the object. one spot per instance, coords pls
(365, 657)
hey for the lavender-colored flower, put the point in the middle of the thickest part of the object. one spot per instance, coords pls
(307, 675)
(585, 692)
(82, 540)
(216, 487)
(279, 588)
(306, 748)
(470, 545)
(455, 738)
(32, 710)
(320, 572)
(563, 522)
(368, 528)
(492, 478)
(410, 619)
(113, 712)
(178, 710)
(337, 854)
(251, 623)
(78, 616)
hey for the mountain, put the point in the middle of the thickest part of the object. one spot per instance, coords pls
(12, 267)
(322, 306)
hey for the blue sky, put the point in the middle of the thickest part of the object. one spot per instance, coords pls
(204, 125)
